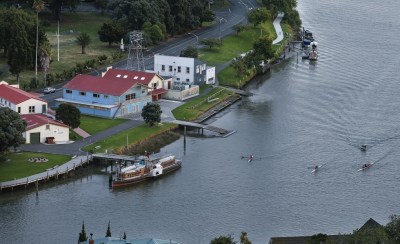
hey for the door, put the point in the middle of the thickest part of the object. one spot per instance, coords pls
(44, 108)
(35, 138)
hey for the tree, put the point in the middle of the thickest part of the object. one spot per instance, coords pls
(262, 48)
(238, 28)
(393, 228)
(151, 113)
(69, 115)
(244, 239)
(211, 42)
(223, 240)
(45, 58)
(111, 32)
(108, 233)
(257, 16)
(83, 40)
(11, 129)
(190, 52)
(276, 6)
(19, 52)
(82, 234)
(56, 6)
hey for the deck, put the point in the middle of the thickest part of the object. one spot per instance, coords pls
(222, 132)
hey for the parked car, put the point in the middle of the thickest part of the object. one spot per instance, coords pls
(49, 89)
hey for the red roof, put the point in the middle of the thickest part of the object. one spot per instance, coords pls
(102, 85)
(138, 76)
(16, 95)
(37, 120)
(158, 91)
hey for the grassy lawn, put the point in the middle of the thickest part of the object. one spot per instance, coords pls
(134, 135)
(227, 77)
(93, 125)
(235, 45)
(191, 110)
(16, 165)
(70, 52)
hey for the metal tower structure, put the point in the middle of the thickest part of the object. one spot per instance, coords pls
(135, 53)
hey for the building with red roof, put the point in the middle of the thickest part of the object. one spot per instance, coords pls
(40, 127)
(116, 93)
(21, 101)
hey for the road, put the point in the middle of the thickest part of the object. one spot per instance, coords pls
(223, 27)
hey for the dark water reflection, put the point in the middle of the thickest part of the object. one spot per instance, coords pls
(302, 114)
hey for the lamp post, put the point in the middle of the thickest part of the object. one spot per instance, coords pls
(38, 5)
(220, 21)
(197, 37)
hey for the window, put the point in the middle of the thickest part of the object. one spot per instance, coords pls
(68, 91)
(82, 93)
(154, 85)
(179, 69)
(19, 110)
(187, 80)
(47, 127)
(130, 96)
(31, 109)
(163, 67)
(188, 70)
(170, 68)
(96, 95)
(106, 96)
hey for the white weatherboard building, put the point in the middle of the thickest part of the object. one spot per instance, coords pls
(40, 128)
(190, 71)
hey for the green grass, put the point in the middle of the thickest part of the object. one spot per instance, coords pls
(235, 45)
(70, 52)
(227, 77)
(134, 135)
(93, 125)
(16, 165)
(73, 136)
(193, 109)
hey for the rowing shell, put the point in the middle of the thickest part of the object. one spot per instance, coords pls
(368, 166)
(316, 169)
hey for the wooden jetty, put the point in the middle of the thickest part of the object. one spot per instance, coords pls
(222, 132)
(53, 173)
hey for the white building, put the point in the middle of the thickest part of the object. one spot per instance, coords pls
(40, 128)
(184, 70)
(21, 101)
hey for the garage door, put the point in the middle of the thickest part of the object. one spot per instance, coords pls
(35, 138)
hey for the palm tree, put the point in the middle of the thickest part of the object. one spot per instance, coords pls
(38, 5)
(45, 58)
(83, 40)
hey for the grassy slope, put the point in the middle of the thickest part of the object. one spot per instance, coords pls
(93, 125)
(134, 135)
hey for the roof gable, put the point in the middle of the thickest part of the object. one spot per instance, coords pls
(37, 120)
(16, 95)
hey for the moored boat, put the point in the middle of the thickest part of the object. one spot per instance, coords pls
(143, 168)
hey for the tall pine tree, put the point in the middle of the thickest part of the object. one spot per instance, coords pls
(82, 234)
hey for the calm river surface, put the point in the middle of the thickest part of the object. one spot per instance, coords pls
(300, 115)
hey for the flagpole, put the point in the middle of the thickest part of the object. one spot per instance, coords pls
(58, 40)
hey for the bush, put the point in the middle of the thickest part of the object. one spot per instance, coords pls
(102, 59)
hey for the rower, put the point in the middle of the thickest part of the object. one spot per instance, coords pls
(316, 167)
(363, 147)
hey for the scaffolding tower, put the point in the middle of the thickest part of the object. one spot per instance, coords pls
(135, 53)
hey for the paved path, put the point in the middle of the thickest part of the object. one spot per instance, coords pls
(278, 28)
(81, 132)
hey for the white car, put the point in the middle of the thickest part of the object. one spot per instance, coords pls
(48, 90)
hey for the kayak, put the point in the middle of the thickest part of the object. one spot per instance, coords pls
(316, 169)
(369, 165)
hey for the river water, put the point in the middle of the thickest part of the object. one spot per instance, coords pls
(302, 114)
